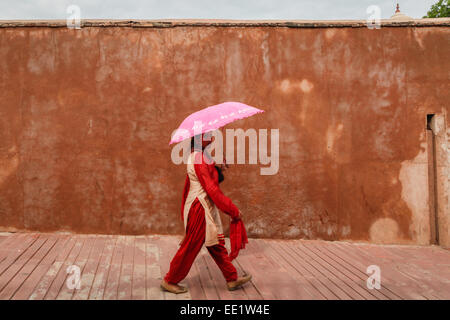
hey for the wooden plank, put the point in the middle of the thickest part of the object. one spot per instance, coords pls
(112, 283)
(205, 277)
(283, 284)
(338, 287)
(14, 268)
(218, 279)
(7, 240)
(126, 274)
(194, 284)
(166, 253)
(167, 249)
(66, 293)
(415, 263)
(101, 275)
(9, 244)
(337, 270)
(358, 267)
(306, 283)
(34, 266)
(295, 287)
(3, 243)
(60, 280)
(389, 276)
(318, 280)
(252, 264)
(23, 273)
(27, 288)
(173, 244)
(139, 281)
(17, 247)
(429, 288)
(90, 269)
(432, 252)
(357, 275)
(396, 266)
(304, 271)
(432, 261)
(45, 283)
(153, 270)
(387, 281)
(250, 290)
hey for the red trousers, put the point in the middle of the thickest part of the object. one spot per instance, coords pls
(191, 246)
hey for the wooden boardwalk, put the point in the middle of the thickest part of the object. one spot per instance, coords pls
(35, 266)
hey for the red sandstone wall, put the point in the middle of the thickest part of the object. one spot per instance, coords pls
(86, 116)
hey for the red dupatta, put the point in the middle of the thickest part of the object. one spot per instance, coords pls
(238, 237)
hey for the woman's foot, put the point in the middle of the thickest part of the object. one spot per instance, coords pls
(174, 288)
(233, 285)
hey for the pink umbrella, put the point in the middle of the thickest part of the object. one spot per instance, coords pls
(212, 118)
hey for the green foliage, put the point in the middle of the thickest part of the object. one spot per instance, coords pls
(441, 9)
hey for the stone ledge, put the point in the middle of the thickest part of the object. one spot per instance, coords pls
(86, 23)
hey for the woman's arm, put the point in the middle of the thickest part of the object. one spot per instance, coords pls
(212, 189)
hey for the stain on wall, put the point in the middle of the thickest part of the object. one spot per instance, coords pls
(86, 117)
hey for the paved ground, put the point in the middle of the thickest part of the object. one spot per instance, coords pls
(34, 266)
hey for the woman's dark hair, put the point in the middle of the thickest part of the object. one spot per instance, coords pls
(219, 171)
(196, 139)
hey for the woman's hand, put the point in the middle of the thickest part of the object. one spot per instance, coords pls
(239, 217)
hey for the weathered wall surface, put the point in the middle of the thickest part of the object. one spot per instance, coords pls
(86, 116)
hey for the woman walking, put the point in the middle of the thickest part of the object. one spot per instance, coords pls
(202, 198)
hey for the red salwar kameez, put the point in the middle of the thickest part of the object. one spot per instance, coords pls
(201, 198)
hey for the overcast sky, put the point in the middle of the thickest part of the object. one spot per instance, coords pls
(210, 9)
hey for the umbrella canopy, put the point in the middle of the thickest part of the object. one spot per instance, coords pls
(212, 118)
